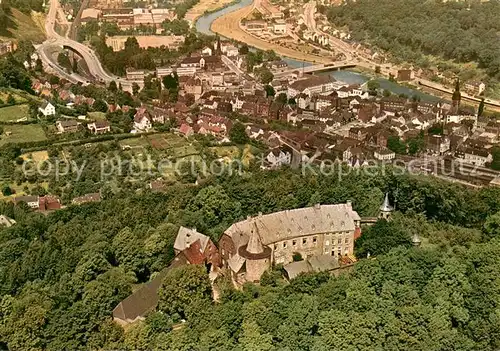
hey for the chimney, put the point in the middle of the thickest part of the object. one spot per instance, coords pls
(349, 203)
(260, 214)
(317, 206)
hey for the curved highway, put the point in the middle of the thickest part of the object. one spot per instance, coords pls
(54, 39)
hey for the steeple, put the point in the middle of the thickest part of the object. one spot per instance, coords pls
(218, 47)
(457, 96)
(386, 208)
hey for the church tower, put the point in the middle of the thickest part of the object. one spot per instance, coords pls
(456, 97)
(257, 256)
(218, 47)
(386, 209)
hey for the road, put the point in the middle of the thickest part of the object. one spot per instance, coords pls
(232, 66)
(93, 63)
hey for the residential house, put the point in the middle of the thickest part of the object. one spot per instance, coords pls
(47, 109)
(254, 132)
(31, 200)
(92, 197)
(207, 51)
(405, 75)
(99, 127)
(475, 87)
(278, 157)
(49, 203)
(384, 155)
(67, 126)
(142, 121)
(186, 130)
(437, 144)
(478, 157)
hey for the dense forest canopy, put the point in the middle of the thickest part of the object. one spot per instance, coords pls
(61, 275)
(464, 31)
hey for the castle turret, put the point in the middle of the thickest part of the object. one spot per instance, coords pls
(258, 256)
(386, 209)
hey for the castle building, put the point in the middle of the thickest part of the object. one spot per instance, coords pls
(250, 247)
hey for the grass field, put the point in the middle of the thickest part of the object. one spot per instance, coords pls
(96, 116)
(4, 95)
(22, 134)
(25, 27)
(172, 144)
(14, 113)
(36, 156)
(134, 143)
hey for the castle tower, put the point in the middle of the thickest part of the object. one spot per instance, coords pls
(456, 97)
(258, 256)
(386, 209)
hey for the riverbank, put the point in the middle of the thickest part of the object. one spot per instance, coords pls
(229, 26)
(205, 7)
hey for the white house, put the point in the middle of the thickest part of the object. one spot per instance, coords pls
(47, 109)
(230, 51)
(278, 158)
(384, 155)
(142, 122)
(207, 51)
(99, 127)
(314, 85)
(478, 157)
(279, 26)
(254, 132)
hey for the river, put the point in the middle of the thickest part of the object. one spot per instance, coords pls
(350, 77)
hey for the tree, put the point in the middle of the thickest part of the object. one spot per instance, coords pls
(184, 286)
(135, 89)
(238, 134)
(6, 190)
(386, 93)
(269, 90)
(281, 98)
(64, 61)
(265, 75)
(495, 164)
(480, 109)
(113, 87)
(39, 65)
(100, 105)
(11, 100)
(243, 50)
(373, 86)
(377, 69)
(381, 238)
(395, 144)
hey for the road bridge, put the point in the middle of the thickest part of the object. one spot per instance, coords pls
(334, 66)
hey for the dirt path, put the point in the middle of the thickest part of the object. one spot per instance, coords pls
(228, 26)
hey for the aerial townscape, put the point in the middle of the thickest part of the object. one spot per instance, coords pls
(249, 175)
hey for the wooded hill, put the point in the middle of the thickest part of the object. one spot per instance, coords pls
(62, 274)
(463, 31)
